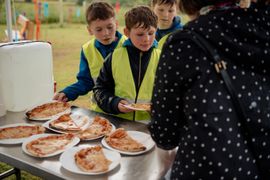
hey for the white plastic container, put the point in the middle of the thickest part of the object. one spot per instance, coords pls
(26, 74)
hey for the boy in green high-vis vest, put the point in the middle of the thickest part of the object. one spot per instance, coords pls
(100, 17)
(128, 75)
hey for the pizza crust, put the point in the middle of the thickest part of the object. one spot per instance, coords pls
(120, 140)
(48, 110)
(20, 131)
(98, 128)
(92, 159)
(47, 145)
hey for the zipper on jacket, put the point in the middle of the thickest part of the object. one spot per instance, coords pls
(140, 72)
(139, 82)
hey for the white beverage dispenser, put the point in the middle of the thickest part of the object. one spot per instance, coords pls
(26, 74)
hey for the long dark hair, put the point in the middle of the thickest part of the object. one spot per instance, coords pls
(192, 7)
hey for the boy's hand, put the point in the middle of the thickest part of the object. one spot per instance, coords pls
(122, 108)
(60, 97)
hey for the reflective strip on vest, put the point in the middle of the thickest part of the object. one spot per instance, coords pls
(124, 84)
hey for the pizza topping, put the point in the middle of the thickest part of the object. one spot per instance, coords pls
(20, 131)
(98, 128)
(47, 145)
(120, 140)
(92, 159)
(48, 110)
(67, 122)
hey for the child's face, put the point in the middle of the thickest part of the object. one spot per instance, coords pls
(140, 37)
(103, 30)
(165, 14)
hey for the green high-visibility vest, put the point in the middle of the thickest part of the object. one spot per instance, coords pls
(124, 83)
(162, 41)
(95, 63)
(94, 57)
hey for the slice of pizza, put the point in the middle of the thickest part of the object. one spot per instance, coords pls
(98, 128)
(144, 106)
(20, 131)
(44, 146)
(67, 122)
(120, 140)
(92, 159)
(48, 110)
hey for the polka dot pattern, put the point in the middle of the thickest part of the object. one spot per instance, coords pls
(193, 110)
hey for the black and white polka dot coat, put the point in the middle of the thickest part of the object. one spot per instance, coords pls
(192, 109)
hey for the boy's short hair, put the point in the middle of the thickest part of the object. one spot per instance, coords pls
(140, 16)
(159, 2)
(99, 10)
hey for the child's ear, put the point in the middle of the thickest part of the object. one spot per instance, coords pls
(126, 32)
(89, 30)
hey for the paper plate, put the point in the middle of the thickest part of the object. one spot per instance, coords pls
(67, 160)
(141, 137)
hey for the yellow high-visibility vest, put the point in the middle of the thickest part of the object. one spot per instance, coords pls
(162, 41)
(95, 63)
(124, 83)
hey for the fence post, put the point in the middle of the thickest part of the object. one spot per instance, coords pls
(61, 15)
(84, 7)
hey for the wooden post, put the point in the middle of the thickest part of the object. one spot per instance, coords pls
(84, 7)
(61, 15)
(38, 23)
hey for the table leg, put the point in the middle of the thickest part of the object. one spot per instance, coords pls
(10, 172)
(17, 173)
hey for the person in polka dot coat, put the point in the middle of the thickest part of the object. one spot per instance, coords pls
(192, 109)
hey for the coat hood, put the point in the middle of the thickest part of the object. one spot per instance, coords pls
(240, 35)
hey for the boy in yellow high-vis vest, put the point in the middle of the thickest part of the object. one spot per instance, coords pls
(128, 75)
(100, 17)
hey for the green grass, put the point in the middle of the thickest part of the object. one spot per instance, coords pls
(24, 175)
